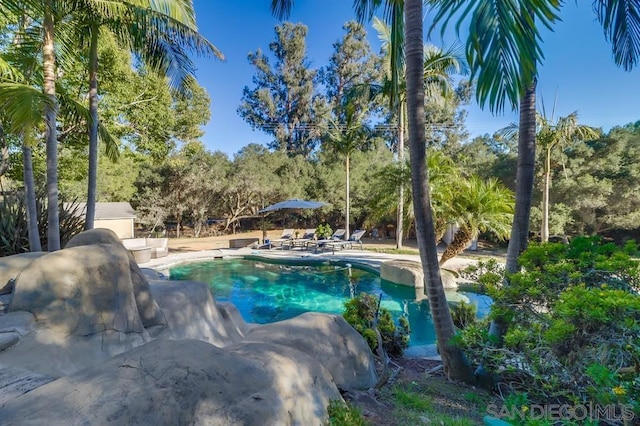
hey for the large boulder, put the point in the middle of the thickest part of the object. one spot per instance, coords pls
(150, 314)
(14, 326)
(410, 273)
(11, 266)
(186, 382)
(80, 291)
(192, 313)
(328, 339)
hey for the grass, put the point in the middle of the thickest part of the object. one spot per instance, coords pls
(424, 401)
(341, 414)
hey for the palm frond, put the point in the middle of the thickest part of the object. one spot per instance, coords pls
(75, 112)
(8, 73)
(621, 23)
(23, 105)
(281, 9)
(504, 43)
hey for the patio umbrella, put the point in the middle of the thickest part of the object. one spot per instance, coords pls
(294, 203)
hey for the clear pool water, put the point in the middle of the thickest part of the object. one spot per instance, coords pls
(268, 292)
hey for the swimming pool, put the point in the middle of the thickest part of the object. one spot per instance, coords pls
(268, 292)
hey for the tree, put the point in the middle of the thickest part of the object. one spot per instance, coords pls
(160, 32)
(352, 64)
(445, 178)
(504, 41)
(453, 359)
(552, 135)
(439, 65)
(480, 206)
(283, 103)
(455, 365)
(598, 183)
(166, 18)
(348, 135)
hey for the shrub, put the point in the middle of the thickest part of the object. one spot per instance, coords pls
(360, 312)
(573, 316)
(323, 231)
(463, 314)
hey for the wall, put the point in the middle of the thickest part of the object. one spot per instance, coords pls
(122, 227)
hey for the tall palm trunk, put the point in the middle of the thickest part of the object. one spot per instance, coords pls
(524, 178)
(524, 191)
(544, 231)
(30, 199)
(348, 199)
(455, 365)
(400, 220)
(53, 219)
(93, 129)
(4, 153)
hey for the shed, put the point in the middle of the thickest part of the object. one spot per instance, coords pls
(118, 217)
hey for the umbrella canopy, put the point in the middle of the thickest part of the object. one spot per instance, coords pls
(294, 203)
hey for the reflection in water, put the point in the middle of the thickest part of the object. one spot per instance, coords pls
(265, 292)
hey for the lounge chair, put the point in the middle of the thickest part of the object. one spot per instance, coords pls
(348, 243)
(287, 234)
(307, 236)
(319, 244)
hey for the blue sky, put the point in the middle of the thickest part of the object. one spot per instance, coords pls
(578, 66)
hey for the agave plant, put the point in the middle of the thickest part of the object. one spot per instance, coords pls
(13, 222)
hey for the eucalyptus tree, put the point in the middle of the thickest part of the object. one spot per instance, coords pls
(351, 64)
(283, 102)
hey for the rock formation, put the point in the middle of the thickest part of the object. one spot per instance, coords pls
(100, 343)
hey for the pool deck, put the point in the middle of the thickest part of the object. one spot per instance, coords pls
(362, 258)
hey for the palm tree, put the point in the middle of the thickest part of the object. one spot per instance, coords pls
(504, 41)
(550, 135)
(439, 65)
(508, 46)
(166, 28)
(444, 176)
(347, 136)
(454, 362)
(51, 115)
(161, 32)
(481, 206)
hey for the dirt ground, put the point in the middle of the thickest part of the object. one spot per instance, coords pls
(222, 241)
(432, 399)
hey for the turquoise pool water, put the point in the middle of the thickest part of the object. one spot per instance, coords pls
(269, 292)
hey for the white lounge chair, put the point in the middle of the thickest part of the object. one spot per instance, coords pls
(287, 234)
(319, 244)
(308, 236)
(348, 243)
